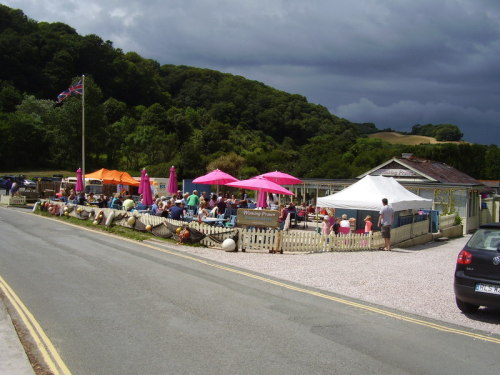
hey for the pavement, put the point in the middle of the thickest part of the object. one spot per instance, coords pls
(13, 358)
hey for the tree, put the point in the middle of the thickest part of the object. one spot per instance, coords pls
(230, 163)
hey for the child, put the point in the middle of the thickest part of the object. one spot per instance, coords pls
(336, 226)
(326, 228)
(368, 224)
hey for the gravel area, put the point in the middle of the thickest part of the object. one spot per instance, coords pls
(418, 280)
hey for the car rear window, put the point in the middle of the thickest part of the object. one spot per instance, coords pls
(485, 239)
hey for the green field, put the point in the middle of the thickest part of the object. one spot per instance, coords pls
(398, 138)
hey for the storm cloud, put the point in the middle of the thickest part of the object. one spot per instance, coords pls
(395, 63)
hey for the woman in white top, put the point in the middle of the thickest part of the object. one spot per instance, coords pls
(344, 223)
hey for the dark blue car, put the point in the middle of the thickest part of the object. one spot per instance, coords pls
(477, 273)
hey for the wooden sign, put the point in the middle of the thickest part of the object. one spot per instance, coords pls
(258, 218)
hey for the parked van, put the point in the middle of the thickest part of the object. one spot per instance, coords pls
(92, 185)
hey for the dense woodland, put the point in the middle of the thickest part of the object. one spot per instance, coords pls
(139, 113)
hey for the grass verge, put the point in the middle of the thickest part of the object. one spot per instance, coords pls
(114, 229)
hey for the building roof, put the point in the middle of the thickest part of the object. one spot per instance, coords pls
(412, 168)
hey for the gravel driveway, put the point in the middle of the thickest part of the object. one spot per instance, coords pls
(417, 280)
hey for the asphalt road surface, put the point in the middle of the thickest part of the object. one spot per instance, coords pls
(112, 306)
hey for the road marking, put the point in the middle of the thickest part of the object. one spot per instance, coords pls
(49, 353)
(358, 305)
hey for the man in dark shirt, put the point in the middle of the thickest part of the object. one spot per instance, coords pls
(176, 212)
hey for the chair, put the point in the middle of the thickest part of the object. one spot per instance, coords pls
(221, 217)
(231, 223)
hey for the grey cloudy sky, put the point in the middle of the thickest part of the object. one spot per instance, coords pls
(395, 63)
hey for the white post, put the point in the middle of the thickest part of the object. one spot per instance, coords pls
(83, 131)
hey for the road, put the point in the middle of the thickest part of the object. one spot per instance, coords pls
(112, 306)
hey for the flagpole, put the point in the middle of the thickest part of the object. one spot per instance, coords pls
(83, 130)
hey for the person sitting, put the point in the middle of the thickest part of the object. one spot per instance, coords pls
(60, 194)
(156, 206)
(177, 212)
(81, 200)
(116, 202)
(221, 206)
(63, 197)
(167, 206)
(185, 198)
(72, 198)
(91, 198)
(203, 212)
(128, 203)
(102, 201)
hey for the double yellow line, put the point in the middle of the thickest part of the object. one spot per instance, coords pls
(343, 301)
(42, 342)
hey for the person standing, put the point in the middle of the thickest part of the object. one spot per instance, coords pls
(326, 227)
(345, 223)
(8, 184)
(368, 224)
(193, 202)
(14, 188)
(385, 222)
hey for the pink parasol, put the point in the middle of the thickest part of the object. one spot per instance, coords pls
(79, 180)
(141, 183)
(260, 184)
(216, 177)
(172, 181)
(281, 178)
(147, 196)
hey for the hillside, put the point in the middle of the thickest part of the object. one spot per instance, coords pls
(139, 113)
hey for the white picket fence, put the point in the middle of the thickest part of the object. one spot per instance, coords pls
(12, 200)
(267, 240)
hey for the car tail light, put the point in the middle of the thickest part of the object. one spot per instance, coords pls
(464, 257)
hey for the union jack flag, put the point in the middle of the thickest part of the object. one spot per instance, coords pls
(77, 88)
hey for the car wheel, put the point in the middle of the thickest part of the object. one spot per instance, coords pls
(466, 307)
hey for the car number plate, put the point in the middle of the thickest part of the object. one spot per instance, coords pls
(487, 288)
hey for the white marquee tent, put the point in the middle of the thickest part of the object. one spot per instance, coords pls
(367, 194)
